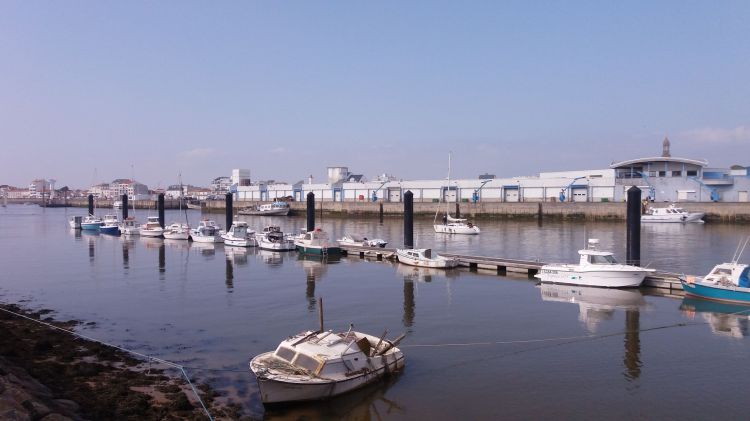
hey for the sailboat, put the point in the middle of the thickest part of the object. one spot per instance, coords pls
(450, 224)
(178, 231)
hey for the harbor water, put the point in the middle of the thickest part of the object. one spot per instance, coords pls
(478, 345)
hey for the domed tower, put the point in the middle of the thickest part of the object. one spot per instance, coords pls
(665, 148)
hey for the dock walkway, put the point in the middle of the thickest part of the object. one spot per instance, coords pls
(502, 266)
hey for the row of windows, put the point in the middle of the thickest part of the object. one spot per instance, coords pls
(689, 173)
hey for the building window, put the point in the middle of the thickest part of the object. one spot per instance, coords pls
(652, 173)
(662, 173)
(692, 173)
(676, 173)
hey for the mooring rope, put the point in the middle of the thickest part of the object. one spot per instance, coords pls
(148, 357)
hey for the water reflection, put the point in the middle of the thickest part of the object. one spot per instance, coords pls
(229, 274)
(205, 249)
(273, 258)
(632, 358)
(238, 255)
(724, 319)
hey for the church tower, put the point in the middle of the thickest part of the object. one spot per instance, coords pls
(665, 148)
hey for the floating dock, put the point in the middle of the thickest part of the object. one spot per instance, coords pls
(662, 280)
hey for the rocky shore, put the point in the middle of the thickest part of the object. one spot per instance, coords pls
(49, 375)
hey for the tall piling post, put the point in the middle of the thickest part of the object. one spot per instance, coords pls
(310, 211)
(634, 227)
(124, 207)
(458, 210)
(160, 205)
(91, 204)
(408, 219)
(229, 210)
(380, 212)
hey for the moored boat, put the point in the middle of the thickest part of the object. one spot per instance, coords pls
(129, 226)
(361, 241)
(320, 365)
(275, 208)
(239, 235)
(111, 225)
(152, 227)
(91, 223)
(424, 258)
(596, 268)
(728, 282)
(671, 214)
(177, 231)
(316, 242)
(207, 232)
(450, 224)
(272, 238)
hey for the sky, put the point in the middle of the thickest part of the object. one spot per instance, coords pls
(91, 91)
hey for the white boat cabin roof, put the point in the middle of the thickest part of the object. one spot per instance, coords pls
(310, 351)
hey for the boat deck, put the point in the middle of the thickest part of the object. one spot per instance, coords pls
(502, 266)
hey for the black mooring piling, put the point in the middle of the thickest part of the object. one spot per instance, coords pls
(380, 212)
(634, 227)
(160, 205)
(311, 211)
(124, 206)
(458, 210)
(229, 210)
(409, 219)
(91, 204)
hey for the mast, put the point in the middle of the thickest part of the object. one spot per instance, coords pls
(447, 205)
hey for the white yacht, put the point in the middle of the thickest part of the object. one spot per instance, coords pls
(239, 235)
(450, 224)
(207, 232)
(117, 204)
(177, 231)
(671, 214)
(320, 365)
(152, 227)
(361, 241)
(596, 268)
(276, 208)
(129, 226)
(272, 238)
(424, 258)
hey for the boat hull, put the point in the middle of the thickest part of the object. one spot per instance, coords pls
(274, 212)
(438, 263)
(176, 235)
(735, 294)
(456, 229)
(95, 226)
(239, 242)
(695, 217)
(110, 230)
(207, 238)
(276, 246)
(151, 233)
(318, 250)
(593, 278)
(274, 391)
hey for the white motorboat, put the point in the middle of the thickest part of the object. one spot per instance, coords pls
(316, 242)
(361, 241)
(177, 231)
(450, 224)
(275, 208)
(671, 214)
(207, 232)
(92, 223)
(272, 238)
(152, 227)
(129, 226)
(320, 365)
(117, 204)
(424, 258)
(239, 235)
(596, 268)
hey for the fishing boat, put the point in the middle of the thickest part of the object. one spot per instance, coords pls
(316, 242)
(424, 258)
(272, 238)
(728, 282)
(207, 232)
(451, 225)
(671, 214)
(177, 231)
(239, 235)
(129, 226)
(276, 208)
(361, 241)
(317, 365)
(152, 227)
(111, 225)
(91, 223)
(596, 268)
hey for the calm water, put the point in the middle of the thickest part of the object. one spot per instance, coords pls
(212, 308)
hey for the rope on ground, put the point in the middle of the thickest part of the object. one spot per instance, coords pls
(148, 357)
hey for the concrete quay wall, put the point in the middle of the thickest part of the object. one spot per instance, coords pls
(715, 212)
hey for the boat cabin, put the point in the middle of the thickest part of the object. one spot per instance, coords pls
(239, 229)
(730, 274)
(420, 254)
(325, 353)
(593, 256)
(670, 210)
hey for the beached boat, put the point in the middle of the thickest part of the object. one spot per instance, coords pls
(272, 238)
(207, 232)
(129, 226)
(451, 225)
(319, 365)
(671, 214)
(268, 209)
(596, 268)
(424, 258)
(728, 282)
(317, 243)
(361, 241)
(239, 235)
(152, 227)
(91, 223)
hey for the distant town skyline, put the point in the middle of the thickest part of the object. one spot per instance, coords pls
(288, 89)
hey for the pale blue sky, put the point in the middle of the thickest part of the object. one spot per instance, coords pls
(288, 88)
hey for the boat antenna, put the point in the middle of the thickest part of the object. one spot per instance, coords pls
(741, 250)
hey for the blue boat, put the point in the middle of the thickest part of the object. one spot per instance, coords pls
(111, 225)
(727, 282)
(91, 223)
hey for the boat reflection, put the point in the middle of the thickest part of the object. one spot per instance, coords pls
(422, 274)
(152, 242)
(595, 304)
(205, 249)
(273, 258)
(177, 244)
(238, 255)
(724, 319)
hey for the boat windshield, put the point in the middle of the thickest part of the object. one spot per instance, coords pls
(307, 362)
(722, 271)
(602, 260)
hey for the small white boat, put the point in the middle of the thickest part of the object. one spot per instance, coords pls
(177, 231)
(452, 225)
(276, 208)
(117, 204)
(596, 268)
(317, 243)
(727, 282)
(239, 235)
(424, 258)
(91, 223)
(207, 232)
(196, 205)
(361, 241)
(272, 238)
(129, 226)
(320, 365)
(152, 227)
(671, 214)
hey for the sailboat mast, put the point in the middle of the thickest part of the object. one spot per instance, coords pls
(447, 205)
